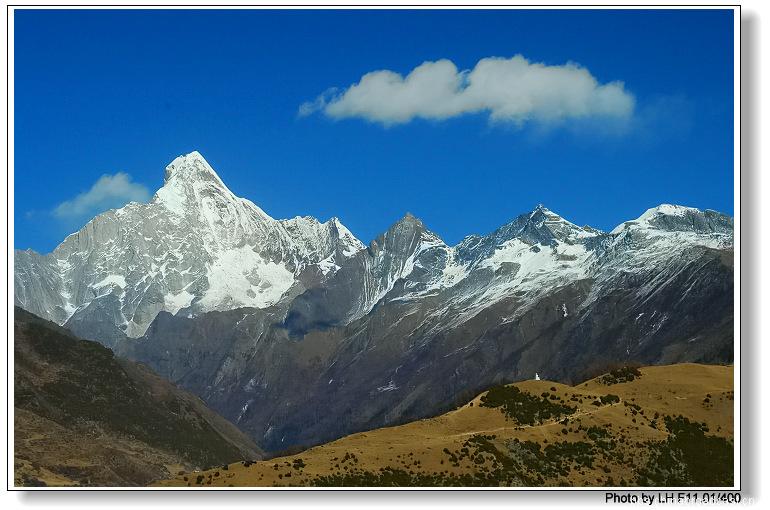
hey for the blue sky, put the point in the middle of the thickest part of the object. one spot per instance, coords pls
(121, 93)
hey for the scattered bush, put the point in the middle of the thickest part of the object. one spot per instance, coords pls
(610, 399)
(620, 375)
(524, 408)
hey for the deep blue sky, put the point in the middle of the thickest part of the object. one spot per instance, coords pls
(97, 92)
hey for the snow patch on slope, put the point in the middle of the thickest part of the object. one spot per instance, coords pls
(240, 277)
(113, 279)
(172, 303)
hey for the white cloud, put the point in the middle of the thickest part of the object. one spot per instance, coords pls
(109, 192)
(509, 90)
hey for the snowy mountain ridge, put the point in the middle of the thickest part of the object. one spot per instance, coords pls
(197, 247)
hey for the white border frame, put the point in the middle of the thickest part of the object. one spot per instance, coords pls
(433, 5)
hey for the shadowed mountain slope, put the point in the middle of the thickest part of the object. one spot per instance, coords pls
(85, 417)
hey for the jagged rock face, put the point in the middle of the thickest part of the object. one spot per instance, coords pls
(195, 247)
(336, 338)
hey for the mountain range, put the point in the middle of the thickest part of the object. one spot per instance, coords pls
(299, 333)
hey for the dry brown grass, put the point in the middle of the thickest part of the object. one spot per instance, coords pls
(420, 446)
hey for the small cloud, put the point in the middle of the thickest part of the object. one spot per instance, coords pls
(510, 90)
(109, 192)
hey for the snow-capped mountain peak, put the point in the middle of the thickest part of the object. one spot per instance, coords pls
(539, 227)
(679, 218)
(195, 247)
(544, 223)
(192, 167)
(404, 237)
(191, 184)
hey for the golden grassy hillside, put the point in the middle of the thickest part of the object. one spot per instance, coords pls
(655, 426)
